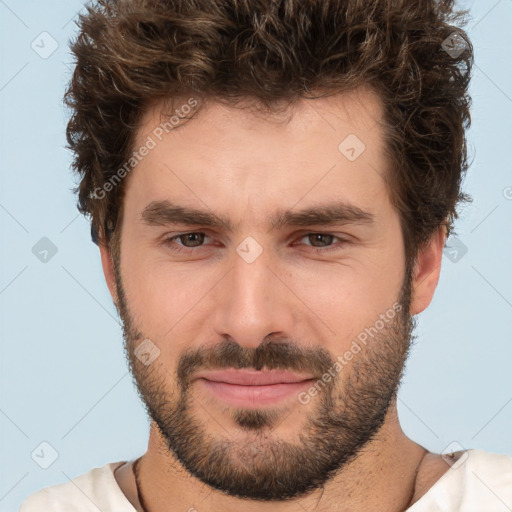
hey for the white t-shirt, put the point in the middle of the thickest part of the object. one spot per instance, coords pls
(479, 482)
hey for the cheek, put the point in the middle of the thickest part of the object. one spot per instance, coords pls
(163, 298)
(350, 297)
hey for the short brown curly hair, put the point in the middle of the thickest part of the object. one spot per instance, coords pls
(130, 53)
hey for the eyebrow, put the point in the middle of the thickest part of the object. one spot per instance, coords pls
(163, 213)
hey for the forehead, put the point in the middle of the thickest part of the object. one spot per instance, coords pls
(325, 149)
(359, 109)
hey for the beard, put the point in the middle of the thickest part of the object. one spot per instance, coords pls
(338, 423)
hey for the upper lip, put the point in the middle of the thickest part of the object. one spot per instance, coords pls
(249, 377)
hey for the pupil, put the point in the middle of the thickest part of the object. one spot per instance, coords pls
(318, 238)
(190, 238)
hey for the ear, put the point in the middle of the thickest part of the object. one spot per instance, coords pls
(427, 270)
(108, 270)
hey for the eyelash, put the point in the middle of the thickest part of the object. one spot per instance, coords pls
(169, 241)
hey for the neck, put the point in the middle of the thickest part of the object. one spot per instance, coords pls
(383, 477)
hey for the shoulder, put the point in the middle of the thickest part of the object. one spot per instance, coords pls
(476, 480)
(494, 467)
(95, 489)
(486, 481)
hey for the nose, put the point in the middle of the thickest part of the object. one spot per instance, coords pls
(253, 302)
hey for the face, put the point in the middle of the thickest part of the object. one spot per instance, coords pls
(255, 247)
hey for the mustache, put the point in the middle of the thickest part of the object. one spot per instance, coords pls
(272, 355)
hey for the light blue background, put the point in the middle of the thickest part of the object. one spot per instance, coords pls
(62, 371)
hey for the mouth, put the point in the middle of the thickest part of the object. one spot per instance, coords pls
(253, 388)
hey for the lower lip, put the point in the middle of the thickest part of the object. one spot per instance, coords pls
(254, 396)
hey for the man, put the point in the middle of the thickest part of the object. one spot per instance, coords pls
(271, 184)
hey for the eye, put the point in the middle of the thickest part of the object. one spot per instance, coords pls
(322, 242)
(187, 241)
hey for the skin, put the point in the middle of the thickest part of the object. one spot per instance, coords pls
(246, 167)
